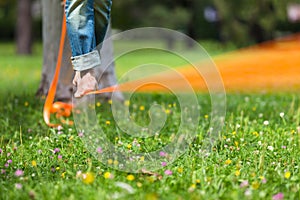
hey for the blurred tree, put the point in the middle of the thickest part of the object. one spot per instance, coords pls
(250, 21)
(52, 21)
(7, 19)
(162, 16)
(24, 27)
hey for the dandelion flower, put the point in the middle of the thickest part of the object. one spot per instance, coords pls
(180, 170)
(108, 175)
(130, 177)
(255, 185)
(287, 174)
(127, 103)
(88, 178)
(110, 161)
(107, 122)
(142, 108)
(33, 163)
(228, 162)
(237, 173)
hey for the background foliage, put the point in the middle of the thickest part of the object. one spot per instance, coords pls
(241, 22)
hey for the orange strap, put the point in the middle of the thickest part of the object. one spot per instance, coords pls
(60, 108)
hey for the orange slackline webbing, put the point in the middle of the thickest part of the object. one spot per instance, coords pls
(60, 108)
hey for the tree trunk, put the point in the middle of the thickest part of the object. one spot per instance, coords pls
(52, 19)
(24, 27)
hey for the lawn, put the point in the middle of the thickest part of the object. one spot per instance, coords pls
(256, 156)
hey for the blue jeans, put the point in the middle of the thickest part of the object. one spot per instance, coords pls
(87, 22)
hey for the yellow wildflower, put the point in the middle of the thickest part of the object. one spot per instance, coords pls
(110, 161)
(63, 174)
(130, 177)
(142, 158)
(255, 185)
(88, 178)
(116, 162)
(33, 163)
(129, 146)
(107, 122)
(107, 175)
(98, 104)
(237, 172)
(26, 104)
(287, 174)
(127, 103)
(228, 162)
(180, 170)
(255, 133)
(142, 108)
(167, 111)
(236, 143)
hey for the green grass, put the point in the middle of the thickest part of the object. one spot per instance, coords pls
(247, 150)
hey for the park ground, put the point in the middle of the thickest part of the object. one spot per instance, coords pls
(257, 155)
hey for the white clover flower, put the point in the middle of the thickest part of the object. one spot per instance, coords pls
(259, 143)
(270, 148)
(281, 114)
(266, 123)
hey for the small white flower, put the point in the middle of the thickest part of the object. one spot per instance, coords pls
(260, 115)
(259, 143)
(266, 123)
(271, 148)
(281, 114)
(242, 139)
(238, 126)
(248, 192)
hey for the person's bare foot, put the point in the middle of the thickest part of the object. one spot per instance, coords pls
(84, 84)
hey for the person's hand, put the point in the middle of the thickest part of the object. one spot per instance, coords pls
(84, 84)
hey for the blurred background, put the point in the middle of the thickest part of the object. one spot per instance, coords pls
(239, 22)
